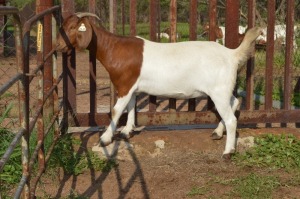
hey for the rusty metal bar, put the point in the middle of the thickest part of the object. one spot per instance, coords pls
(250, 63)
(193, 37)
(212, 36)
(153, 37)
(69, 71)
(92, 73)
(232, 23)
(173, 30)
(270, 54)
(193, 20)
(212, 20)
(40, 98)
(198, 117)
(9, 83)
(290, 19)
(113, 29)
(132, 17)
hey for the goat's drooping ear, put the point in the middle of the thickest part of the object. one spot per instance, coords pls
(84, 33)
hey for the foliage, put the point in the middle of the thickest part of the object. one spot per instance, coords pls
(277, 151)
(74, 163)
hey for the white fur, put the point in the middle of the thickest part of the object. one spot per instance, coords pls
(185, 70)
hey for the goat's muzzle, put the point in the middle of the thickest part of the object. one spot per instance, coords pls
(63, 43)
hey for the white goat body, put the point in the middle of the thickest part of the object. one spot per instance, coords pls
(178, 70)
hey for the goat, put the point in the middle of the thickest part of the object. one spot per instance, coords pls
(180, 70)
(220, 33)
(279, 35)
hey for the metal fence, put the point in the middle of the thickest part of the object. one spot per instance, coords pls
(268, 87)
(36, 82)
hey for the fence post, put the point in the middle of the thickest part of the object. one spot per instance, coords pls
(290, 12)
(113, 29)
(193, 37)
(92, 73)
(69, 67)
(270, 54)
(250, 63)
(153, 37)
(132, 17)
(173, 34)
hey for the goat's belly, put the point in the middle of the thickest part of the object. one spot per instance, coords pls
(170, 91)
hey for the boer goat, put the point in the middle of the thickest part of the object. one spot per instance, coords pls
(175, 70)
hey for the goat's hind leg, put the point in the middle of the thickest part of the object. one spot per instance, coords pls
(130, 124)
(227, 114)
(218, 132)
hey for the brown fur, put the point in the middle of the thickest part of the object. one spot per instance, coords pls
(121, 56)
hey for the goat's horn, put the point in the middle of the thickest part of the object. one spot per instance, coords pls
(87, 14)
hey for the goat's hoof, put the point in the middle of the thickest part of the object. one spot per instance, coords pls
(227, 157)
(126, 136)
(215, 136)
(103, 143)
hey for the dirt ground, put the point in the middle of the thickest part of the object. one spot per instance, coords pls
(189, 159)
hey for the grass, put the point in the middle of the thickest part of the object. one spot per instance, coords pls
(275, 151)
(73, 163)
(252, 186)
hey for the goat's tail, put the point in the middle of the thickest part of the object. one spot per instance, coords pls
(246, 48)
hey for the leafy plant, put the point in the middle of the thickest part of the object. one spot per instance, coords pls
(73, 163)
(277, 151)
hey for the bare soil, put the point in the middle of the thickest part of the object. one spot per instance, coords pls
(189, 160)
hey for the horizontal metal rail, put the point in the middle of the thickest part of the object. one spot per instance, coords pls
(10, 83)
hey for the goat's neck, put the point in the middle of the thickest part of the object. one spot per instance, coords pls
(105, 44)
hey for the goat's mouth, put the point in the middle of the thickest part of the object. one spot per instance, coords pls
(62, 49)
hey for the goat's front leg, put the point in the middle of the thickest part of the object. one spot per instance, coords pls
(218, 132)
(117, 111)
(130, 124)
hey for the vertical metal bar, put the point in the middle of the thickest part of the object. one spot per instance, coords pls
(250, 63)
(92, 75)
(132, 17)
(212, 19)
(24, 96)
(232, 23)
(173, 20)
(153, 19)
(40, 120)
(193, 37)
(173, 30)
(153, 32)
(270, 54)
(193, 20)
(212, 36)
(113, 29)
(69, 71)
(290, 12)
(113, 16)
(123, 16)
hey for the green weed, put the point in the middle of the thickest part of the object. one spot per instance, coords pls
(254, 186)
(277, 151)
(73, 163)
(197, 191)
